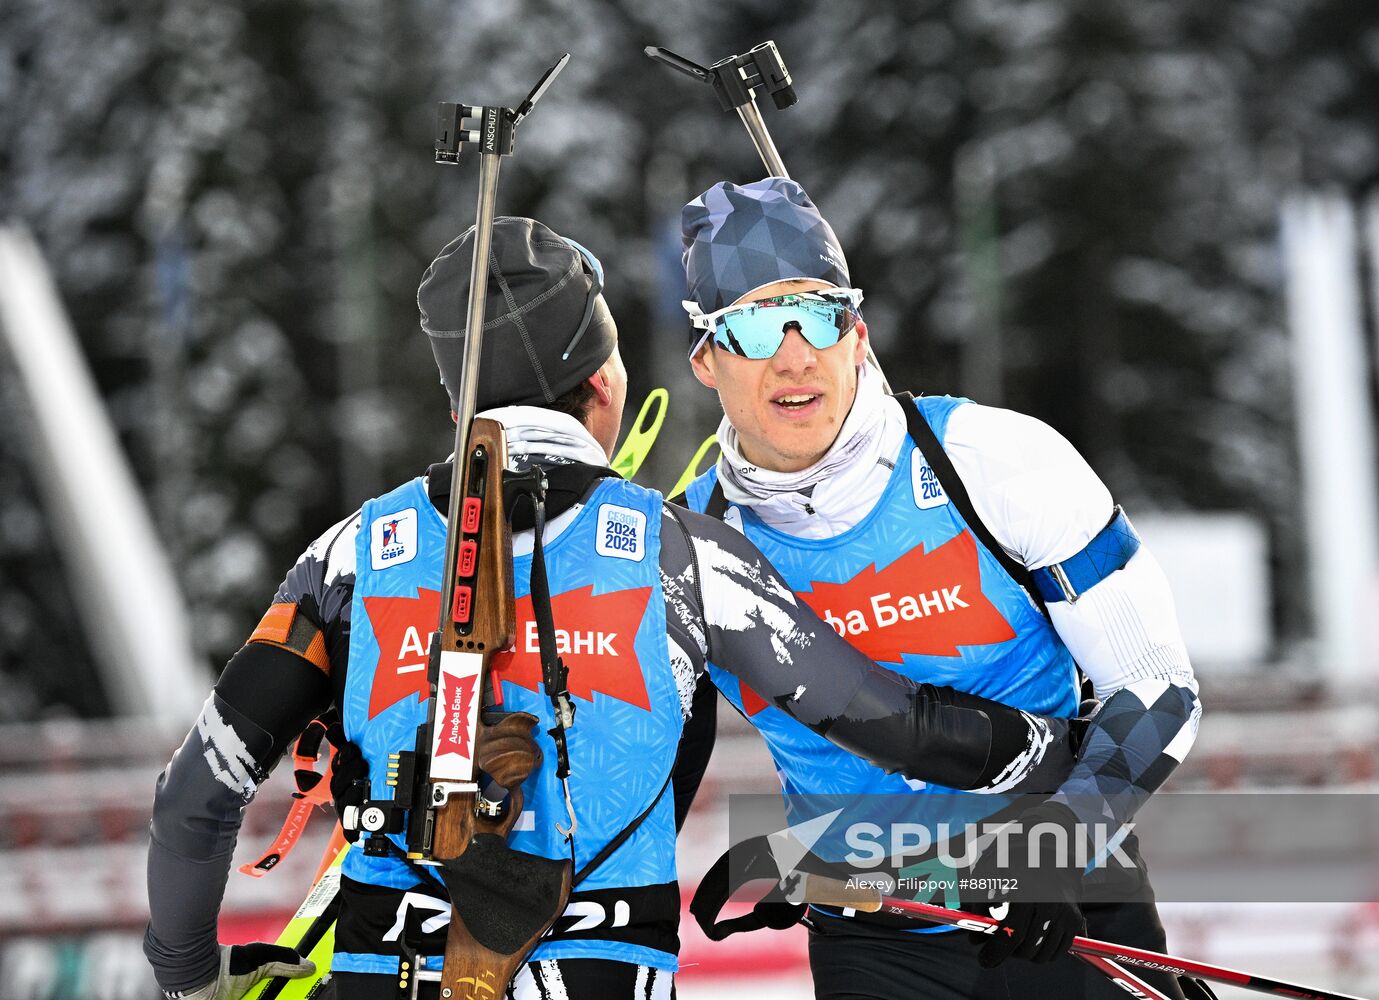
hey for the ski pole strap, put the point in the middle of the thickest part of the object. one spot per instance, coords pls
(304, 757)
(745, 862)
(929, 446)
(311, 791)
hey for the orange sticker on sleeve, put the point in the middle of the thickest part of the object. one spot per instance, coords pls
(283, 627)
(276, 624)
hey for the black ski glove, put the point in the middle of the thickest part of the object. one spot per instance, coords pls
(349, 779)
(1036, 904)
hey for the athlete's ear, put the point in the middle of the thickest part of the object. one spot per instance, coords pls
(454, 417)
(702, 365)
(860, 350)
(602, 387)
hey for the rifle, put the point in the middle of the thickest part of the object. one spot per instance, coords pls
(502, 900)
(515, 896)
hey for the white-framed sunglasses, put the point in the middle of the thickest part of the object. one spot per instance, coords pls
(756, 330)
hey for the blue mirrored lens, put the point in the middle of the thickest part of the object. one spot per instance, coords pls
(756, 331)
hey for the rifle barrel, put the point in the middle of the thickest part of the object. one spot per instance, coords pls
(469, 384)
(761, 139)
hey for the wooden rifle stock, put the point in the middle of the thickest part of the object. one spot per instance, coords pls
(489, 611)
(481, 621)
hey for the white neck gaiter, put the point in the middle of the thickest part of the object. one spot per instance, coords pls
(835, 492)
(536, 434)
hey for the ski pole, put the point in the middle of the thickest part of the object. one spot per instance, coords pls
(1103, 953)
(1124, 978)
(736, 80)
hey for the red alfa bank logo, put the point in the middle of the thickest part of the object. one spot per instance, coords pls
(598, 647)
(401, 626)
(597, 644)
(924, 604)
(456, 716)
(457, 691)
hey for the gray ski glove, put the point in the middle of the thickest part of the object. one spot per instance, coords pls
(243, 965)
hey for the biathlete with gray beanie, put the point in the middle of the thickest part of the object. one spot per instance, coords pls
(959, 544)
(644, 596)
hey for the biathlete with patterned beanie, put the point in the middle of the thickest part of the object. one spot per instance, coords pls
(644, 595)
(960, 544)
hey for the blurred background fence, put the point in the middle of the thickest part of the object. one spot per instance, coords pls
(1154, 224)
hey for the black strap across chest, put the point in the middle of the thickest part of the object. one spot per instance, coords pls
(928, 443)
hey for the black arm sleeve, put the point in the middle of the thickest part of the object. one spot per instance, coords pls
(755, 628)
(696, 746)
(277, 690)
(922, 729)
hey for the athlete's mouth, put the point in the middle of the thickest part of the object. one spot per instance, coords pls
(793, 402)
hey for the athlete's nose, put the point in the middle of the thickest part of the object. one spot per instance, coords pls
(795, 354)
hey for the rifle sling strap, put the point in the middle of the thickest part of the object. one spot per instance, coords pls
(623, 834)
(532, 485)
(565, 485)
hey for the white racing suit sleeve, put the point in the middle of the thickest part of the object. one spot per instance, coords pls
(1044, 503)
